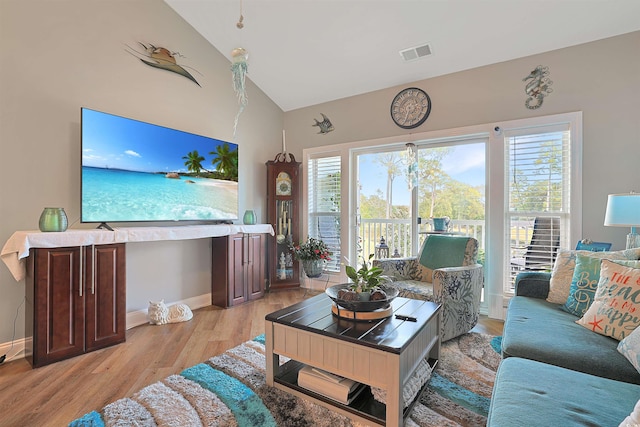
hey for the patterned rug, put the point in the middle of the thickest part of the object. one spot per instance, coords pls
(230, 390)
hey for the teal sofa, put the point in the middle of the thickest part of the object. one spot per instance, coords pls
(529, 394)
(554, 371)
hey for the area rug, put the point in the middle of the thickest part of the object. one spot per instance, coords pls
(230, 390)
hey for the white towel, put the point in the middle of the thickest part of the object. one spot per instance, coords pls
(16, 249)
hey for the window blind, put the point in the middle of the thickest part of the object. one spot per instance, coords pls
(538, 199)
(324, 203)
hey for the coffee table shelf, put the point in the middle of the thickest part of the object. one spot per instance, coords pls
(382, 353)
(364, 406)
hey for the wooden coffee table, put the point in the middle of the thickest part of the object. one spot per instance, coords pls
(381, 353)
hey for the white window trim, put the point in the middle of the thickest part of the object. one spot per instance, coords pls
(495, 218)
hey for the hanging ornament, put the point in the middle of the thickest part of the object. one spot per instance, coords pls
(411, 163)
(239, 68)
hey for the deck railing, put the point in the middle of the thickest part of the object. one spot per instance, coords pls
(397, 234)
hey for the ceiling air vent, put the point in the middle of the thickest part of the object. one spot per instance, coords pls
(417, 52)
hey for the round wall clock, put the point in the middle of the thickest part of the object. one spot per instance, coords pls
(410, 108)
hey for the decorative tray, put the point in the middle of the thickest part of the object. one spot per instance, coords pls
(332, 292)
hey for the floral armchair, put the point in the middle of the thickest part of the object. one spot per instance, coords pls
(445, 271)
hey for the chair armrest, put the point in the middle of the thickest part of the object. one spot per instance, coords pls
(455, 282)
(533, 284)
(459, 290)
(399, 268)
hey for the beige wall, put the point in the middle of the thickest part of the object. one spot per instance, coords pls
(58, 56)
(601, 79)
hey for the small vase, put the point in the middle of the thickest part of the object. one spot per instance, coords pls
(53, 219)
(249, 217)
(313, 267)
(364, 295)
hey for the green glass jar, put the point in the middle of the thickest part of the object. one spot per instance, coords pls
(53, 219)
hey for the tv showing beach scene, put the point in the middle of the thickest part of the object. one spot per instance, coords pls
(135, 171)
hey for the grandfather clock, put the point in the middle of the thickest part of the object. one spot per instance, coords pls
(283, 203)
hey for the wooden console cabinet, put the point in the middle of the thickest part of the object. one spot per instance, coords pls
(76, 301)
(238, 269)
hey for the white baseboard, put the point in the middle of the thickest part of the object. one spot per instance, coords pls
(134, 318)
(17, 352)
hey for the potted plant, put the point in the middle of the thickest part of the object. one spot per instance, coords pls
(313, 254)
(366, 279)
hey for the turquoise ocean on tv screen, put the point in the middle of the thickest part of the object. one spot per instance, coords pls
(110, 195)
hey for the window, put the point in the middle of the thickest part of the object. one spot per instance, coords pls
(323, 210)
(532, 196)
(538, 187)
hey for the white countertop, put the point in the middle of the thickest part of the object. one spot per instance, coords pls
(16, 249)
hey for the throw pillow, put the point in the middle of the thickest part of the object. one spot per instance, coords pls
(615, 311)
(633, 420)
(585, 279)
(562, 274)
(629, 347)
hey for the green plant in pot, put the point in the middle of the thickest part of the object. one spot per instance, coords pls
(367, 280)
(313, 254)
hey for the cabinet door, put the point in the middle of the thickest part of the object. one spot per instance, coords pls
(238, 269)
(105, 295)
(57, 306)
(256, 266)
(227, 271)
(237, 265)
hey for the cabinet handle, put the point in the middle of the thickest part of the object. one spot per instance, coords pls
(81, 281)
(93, 269)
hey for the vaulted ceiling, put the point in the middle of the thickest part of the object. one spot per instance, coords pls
(305, 52)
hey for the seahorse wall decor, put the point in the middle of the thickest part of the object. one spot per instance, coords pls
(538, 86)
(159, 314)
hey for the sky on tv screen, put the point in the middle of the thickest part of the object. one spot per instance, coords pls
(114, 142)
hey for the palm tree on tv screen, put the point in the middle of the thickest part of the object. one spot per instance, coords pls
(193, 162)
(226, 162)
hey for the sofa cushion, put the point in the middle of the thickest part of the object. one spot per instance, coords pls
(616, 307)
(630, 348)
(529, 393)
(538, 330)
(414, 289)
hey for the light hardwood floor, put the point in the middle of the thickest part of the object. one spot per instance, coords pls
(56, 394)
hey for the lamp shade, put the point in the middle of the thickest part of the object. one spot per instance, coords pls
(623, 210)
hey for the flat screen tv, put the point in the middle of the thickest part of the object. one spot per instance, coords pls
(135, 171)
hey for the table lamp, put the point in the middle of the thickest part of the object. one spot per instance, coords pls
(623, 210)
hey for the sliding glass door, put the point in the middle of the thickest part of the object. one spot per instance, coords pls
(384, 209)
(451, 188)
(401, 190)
